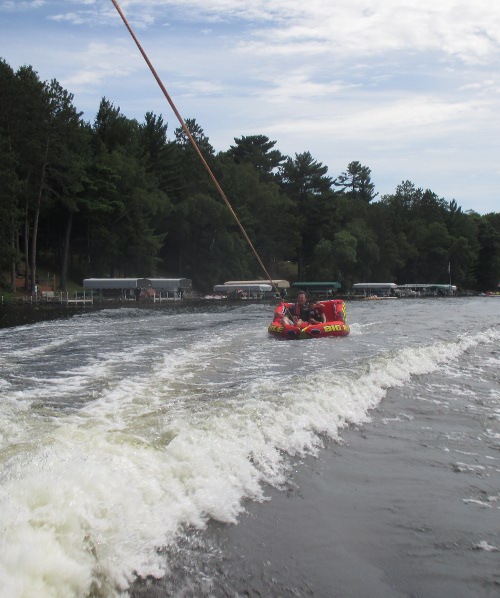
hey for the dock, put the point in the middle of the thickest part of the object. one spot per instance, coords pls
(77, 299)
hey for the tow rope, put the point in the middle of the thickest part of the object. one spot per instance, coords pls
(193, 142)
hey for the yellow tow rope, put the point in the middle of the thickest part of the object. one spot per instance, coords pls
(193, 142)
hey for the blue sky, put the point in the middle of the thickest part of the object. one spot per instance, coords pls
(409, 88)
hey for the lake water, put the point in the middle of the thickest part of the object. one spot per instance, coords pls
(123, 430)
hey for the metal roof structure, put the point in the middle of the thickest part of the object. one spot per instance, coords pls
(159, 284)
(281, 284)
(115, 283)
(375, 285)
(249, 288)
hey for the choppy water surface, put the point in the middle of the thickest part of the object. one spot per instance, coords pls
(122, 428)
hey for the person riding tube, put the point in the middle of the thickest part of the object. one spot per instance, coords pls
(299, 313)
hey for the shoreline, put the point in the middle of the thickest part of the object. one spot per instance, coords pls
(17, 312)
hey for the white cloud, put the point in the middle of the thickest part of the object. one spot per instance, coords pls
(462, 29)
(99, 62)
(467, 30)
(11, 5)
(406, 87)
(76, 18)
(382, 122)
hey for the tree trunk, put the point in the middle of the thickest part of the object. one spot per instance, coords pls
(36, 218)
(26, 249)
(14, 254)
(65, 251)
(33, 243)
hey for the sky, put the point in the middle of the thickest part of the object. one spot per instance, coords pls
(408, 88)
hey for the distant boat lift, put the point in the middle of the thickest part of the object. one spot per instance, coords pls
(245, 291)
(375, 289)
(281, 284)
(427, 289)
(162, 289)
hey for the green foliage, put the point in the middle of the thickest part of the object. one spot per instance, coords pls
(356, 182)
(305, 182)
(258, 151)
(488, 263)
(9, 212)
(119, 197)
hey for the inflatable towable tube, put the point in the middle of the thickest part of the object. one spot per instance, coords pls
(335, 325)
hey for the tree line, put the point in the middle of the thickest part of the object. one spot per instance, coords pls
(118, 197)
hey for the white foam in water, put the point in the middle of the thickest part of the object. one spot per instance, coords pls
(483, 545)
(93, 493)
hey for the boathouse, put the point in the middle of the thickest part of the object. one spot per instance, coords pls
(422, 289)
(131, 288)
(245, 290)
(377, 289)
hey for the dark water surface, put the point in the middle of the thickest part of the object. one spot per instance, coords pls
(187, 453)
